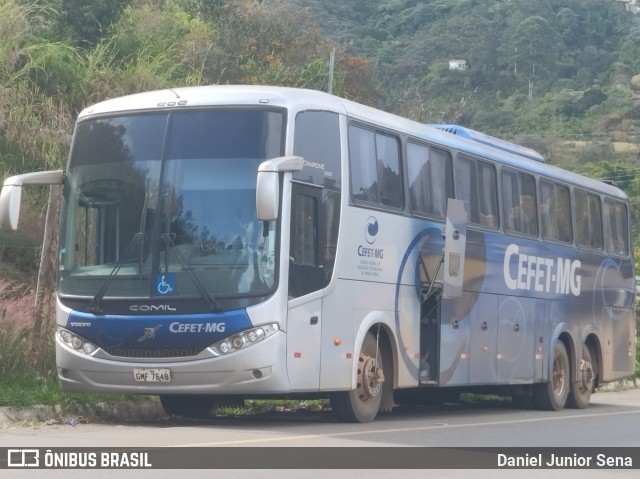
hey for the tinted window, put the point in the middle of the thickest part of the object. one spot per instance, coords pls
(616, 230)
(225, 134)
(476, 186)
(317, 140)
(364, 175)
(555, 212)
(169, 194)
(304, 231)
(375, 167)
(430, 179)
(588, 220)
(307, 272)
(388, 164)
(519, 203)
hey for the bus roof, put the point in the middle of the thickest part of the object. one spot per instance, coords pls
(491, 141)
(452, 136)
(213, 95)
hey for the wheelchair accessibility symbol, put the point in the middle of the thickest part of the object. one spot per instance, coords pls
(164, 284)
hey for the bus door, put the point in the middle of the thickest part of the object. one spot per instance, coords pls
(307, 278)
(449, 288)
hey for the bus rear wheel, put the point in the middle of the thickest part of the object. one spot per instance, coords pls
(552, 395)
(196, 407)
(580, 393)
(363, 403)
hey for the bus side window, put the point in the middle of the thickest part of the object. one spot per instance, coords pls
(519, 203)
(488, 195)
(388, 164)
(374, 159)
(467, 187)
(616, 228)
(555, 212)
(430, 179)
(588, 220)
(476, 181)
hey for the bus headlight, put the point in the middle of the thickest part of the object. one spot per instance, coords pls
(244, 339)
(76, 342)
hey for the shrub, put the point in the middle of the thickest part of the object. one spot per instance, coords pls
(17, 310)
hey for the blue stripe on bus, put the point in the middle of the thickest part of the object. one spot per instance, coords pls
(157, 331)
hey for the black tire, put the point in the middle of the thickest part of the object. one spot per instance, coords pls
(363, 403)
(580, 393)
(552, 396)
(196, 407)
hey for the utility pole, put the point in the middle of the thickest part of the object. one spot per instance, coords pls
(47, 255)
(332, 60)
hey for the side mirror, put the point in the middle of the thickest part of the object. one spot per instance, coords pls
(267, 195)
(268, 184)
(11, 194)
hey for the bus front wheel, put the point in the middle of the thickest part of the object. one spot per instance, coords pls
(552, 395)
(363, 403)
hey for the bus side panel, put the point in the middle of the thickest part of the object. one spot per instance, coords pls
(407, 331)
(303, 342)
(623, 326)
(455, 333)
(484, 347)
(516, 349)
(336, 360)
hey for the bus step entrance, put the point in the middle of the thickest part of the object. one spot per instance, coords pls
(429, 333)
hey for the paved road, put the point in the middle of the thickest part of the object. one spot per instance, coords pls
(612, 420)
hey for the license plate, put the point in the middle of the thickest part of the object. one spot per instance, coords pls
(152, 375)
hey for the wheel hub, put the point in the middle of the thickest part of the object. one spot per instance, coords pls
(558, 376)
(586, 375)
(371, 378)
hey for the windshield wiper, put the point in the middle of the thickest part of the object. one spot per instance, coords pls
(168, 241)
(96, 302)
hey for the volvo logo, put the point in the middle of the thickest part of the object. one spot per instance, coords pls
(146, 308)
(371, 230)
(149, 333)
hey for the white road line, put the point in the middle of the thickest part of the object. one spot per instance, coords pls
(404, 429)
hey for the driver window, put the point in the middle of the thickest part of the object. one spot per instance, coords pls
(306, 265)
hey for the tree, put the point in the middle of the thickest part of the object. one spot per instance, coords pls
(86, 21)
(536, 44)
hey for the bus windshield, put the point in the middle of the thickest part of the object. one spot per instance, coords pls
(163, 204)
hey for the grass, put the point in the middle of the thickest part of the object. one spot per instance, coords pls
(260, 406)
(21, 389)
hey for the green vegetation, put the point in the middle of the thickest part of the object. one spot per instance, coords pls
(18, 389)
(560, 77)
(541, 67)
(260, 406)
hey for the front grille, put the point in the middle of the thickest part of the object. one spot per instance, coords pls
(155, 353)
